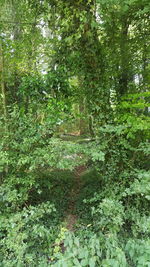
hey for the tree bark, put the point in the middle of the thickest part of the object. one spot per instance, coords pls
(3, 91)
(124, 57)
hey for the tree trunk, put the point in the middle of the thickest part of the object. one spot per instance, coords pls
(124, 58)
(82, 123)
(3, 91)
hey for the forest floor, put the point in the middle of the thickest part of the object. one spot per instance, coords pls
(71, 216)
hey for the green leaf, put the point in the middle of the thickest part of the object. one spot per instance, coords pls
(92, 262)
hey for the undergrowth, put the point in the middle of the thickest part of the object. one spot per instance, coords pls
(112, 208)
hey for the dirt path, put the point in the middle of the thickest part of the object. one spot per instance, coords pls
(71, 217)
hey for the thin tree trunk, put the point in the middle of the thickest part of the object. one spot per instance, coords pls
(91, 129)
(3, 91)
(124, 60)
(145, 73)
(82, 124)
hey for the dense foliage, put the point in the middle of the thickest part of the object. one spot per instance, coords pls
(74, 79)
